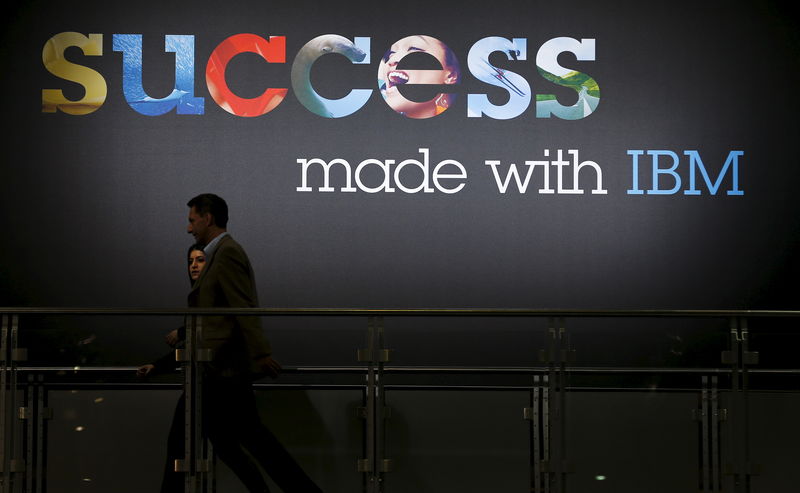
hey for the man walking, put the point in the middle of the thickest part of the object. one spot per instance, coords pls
(240, 354)
(227, 281)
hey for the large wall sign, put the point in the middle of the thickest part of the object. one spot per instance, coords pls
(425, 154)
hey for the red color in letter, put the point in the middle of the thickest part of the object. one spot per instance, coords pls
(272, 51)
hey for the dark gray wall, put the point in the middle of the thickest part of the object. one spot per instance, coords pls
(95, 205)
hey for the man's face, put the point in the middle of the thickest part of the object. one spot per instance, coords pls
(198, 226)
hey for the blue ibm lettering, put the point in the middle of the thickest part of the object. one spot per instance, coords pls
(670, 174)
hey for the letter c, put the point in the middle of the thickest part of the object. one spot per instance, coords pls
(272, 51)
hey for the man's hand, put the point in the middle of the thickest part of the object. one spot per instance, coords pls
(269, 366)
(172, 338)
(144, 370)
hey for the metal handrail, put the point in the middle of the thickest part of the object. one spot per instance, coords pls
(444, 369)
(403, 312)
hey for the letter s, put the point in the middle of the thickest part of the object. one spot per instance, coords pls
(519, 92)
(93, 83)
(586, 87)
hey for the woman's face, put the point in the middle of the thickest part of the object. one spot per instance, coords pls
(392, 78)
(197, 260)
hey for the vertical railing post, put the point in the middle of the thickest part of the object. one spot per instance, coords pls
(535, 429)
(558, 373)
(546, 428)
(187, 463)
(30, 415)
(366, 412)
(43, 414)
(195, 463)
(35, 414)
(9, 427)
(705, 459)
(549, 426)
(715, 418)
(5, 419)
(740, 467)
(539, 416)
(186, 356)
(709, 416)
(382, 411)
(17, 465)
(375, 412)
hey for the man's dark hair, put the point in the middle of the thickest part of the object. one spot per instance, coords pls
(208, 203)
